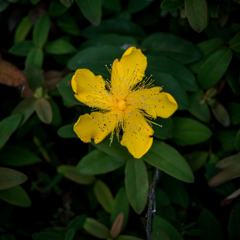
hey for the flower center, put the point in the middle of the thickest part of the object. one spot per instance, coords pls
(121, 104)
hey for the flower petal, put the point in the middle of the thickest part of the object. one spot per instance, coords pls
(153, 102)
(136, 136)
(90, 89)
(97, 125)
(127, 72)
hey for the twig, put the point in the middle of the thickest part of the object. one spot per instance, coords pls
(150, 211)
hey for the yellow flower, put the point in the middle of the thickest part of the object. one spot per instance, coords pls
(126, 102)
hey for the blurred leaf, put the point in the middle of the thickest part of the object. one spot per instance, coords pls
(70, 234)
(59, 46)
(174, 47)
(17, 156)
(237, 141)
(169, 160)
(232, 76)
(114, 5)
(35, 57)
(7, 126)
(228, 161)
(120, 204)
(233, 224)
(98, 162)
(16, 196)
(40, 30)
(22, 30)
(56, 8)
(221, 114)
(161, 198)
(114, 26)
(70, 172)
(117, 225)
(67, 3)
(235, 42)
(161, 224)
(57, 119)
(91, 9)
(10, 178)
(136, 181)
(234, 111)
(77, 223)
(125, 237)
(10, 75)
(171, 5)
(164, 132)
(214, 68)
(22, 48)
(34, 77)
(3, 5)
(178, 71)
(189, 132)
(104, 195)
(210, 225)
(44, 110)
(26, 107)
(196, 159)
(96, 229)
(197, 14)
(199, 110)
(46, 236)
(159, 234)
(67, 131)
(227, 138)
(137, 5)
(175, 190)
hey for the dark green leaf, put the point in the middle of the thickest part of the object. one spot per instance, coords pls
(125, 237)
(22, 48)
(234, 111)
(214, 68)
(59, 46)
(233, 224)
(114, 5)
(197, 14)
(136, 181)
(67, 3)
(227, 138)
(77, 223)
(137, 5)
(232, 76)
(237, 141)
(46, 236)
(34, 77)
(3, 5)
(67, 131)
(196, 159)
(98, 162)
(57, 119)
(35, 57)
(70, 234)
(40, 30)
(235, 42)
(44, 110)
(189, 132)
(17, 156)
(171, 5)
(16, 196)
(7, 126)
(169, 160)
(91, 9)
(23, 29)
(228, 161)
(161, 198)
(166, 129)
(221, 114)
(159, 234)
(56, 8)
(173, 47)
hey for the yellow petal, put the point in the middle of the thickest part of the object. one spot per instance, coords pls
(90, 89)
(153, 102)
(97, 125)
(127, 72)
(136, 136)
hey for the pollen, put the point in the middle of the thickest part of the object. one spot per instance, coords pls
(122, 104)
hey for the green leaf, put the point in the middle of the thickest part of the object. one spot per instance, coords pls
(77, 223)
(22, 48)
(169, 160)
(71, 173)
(162, 224)
(166, 129)
(56, 8)
(232, 76)
(46, 236)
(59, 46)
(67, 131)
(235, 42)
(136, 181)
(197, 14)
(233, 224)
(189, 132)
(17, 156)
(7, 126)
(26, 107)
(162, 199)
(104, 195)
(65, 89)
(67, 3)
(125, 237)
(3, 5)
(177, 70)
(40, 30)
(120, 204)
(96, 229)
(237, 141)
(196, 159)
(137, 5)
(16, 196)
(175, 190)
(214, 68)
(70, 234)
(35, 57)
(221, 114)
(210, 225)
(113, 5)
(10, 178)
(23, 29)
(91, 9)
(57, 118)
(98, 162)
(171, 46)
(171, 5)
(226, 137)
(159, 234)
(234, 111)
(34, 77)
(114, 26)
(228, 161)
(44, 110)
(170, 85)
(199, 110)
